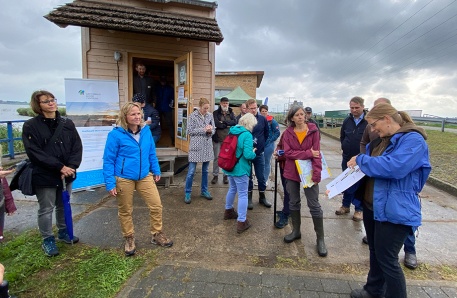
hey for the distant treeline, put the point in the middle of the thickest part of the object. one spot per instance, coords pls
(30, 113)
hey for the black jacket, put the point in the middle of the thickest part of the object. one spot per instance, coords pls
(223, 124)
(48, 160)
(351, 135)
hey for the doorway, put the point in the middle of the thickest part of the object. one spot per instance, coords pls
(162, 74)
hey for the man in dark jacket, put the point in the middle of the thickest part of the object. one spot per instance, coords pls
(165, 104)
(143, 84)
(151, 116)
(224, 118)
(260, 135)
(350, 136)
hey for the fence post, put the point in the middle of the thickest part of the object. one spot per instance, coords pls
(442, 124)
(9, 129)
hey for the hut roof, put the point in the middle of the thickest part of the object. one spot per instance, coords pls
(133, 19)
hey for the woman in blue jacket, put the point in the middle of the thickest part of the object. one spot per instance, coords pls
(130, 163)
(273, 135)
(239, 177)
(397, 166)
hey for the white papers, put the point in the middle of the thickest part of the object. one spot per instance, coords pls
(344, 181)
(305, 171)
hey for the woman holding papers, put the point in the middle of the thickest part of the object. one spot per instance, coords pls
(398, 166)
(301, 142)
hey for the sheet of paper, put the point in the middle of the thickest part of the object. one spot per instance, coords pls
(344, 181)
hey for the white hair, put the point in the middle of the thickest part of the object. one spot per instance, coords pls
(248, 121)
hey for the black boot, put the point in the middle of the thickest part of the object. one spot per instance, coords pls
(263, 199)
(296, 223)
(250, 205)
(4, 290)
(319, 228)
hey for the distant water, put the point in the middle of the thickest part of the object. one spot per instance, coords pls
(9, 112)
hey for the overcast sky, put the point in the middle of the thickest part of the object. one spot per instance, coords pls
(319, 52)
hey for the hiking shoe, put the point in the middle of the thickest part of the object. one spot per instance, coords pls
(358, 216)
(206, 195)
(342, 210)
(282, 221)
(49, 247)
(64, 237)
(410, 261)
(187, 198)
(225, 180)
(214, 180)
(230, 214)
(242, 226)
(129, 245)
(365, 240)
(159, 238)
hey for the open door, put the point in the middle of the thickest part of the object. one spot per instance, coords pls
(183, 102)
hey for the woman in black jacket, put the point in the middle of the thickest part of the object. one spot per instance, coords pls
(52, 162)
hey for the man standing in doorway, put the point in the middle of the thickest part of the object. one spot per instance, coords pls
(350, 136)
(143, 84)
(243, 111)
(164, 104)
(223, 120)
(260, 135)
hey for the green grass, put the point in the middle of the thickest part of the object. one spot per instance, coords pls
(79, 271)
(443, 150)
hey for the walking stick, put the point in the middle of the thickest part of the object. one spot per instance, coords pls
(276, 191)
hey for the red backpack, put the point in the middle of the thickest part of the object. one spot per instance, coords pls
(227, 158)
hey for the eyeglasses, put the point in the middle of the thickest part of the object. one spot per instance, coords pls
(49, 101)
(374, 123)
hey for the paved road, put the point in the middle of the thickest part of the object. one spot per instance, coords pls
(209, 259)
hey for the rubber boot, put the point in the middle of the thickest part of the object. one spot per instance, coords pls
(263, 199)
(250, 205)
(296, 223)
(319, 228)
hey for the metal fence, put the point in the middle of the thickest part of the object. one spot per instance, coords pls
(10, 137)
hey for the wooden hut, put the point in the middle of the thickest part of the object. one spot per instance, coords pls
(173, 38)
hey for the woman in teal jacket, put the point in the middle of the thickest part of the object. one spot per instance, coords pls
(130, 163)
(239, 177)
(397, 166)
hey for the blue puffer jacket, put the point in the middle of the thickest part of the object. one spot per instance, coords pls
(400, 174)
(126, 158)
(244, 148)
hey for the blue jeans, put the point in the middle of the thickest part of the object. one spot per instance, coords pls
(385, 239)
(156, 139)
(349, 194)
(285, 209)
(410, 243)
(238, 184)
(259, 167)
(267, 153)
(191, 173)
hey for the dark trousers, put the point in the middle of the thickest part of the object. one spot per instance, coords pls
(385, 240)
(285, 209)
(349, 194)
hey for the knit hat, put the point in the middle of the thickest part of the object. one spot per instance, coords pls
(138, 98)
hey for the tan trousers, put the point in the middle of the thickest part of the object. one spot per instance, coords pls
(147, 189)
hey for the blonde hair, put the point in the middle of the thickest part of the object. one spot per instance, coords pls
(124, 111)
(381, 110)
(202, 101)
(248, 121)
(250, 102)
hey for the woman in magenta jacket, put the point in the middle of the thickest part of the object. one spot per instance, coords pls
(301, 142)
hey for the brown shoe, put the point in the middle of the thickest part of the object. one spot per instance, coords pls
(242, 226)
(230, 214)
(225, 179)
(358, 216)
(214, 180)
(159, 238)
(129, 246)
(343, 210)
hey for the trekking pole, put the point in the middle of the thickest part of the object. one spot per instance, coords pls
(276, 190)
